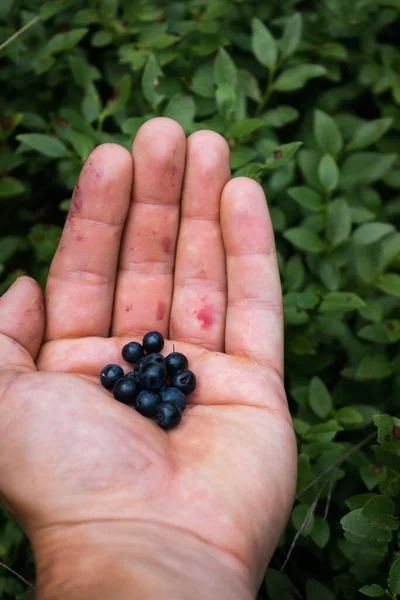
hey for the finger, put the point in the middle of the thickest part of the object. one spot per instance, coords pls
(80, 287)
(254, 325)
(21, 324)
(199, 303)
(144, 287)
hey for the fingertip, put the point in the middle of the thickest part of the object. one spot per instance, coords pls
(22, 314)
(159, 132)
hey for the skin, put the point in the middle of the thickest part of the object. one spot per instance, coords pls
(114, 506)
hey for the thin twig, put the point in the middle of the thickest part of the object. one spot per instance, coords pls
(20, 31)
(17, 575)
(304, 524)
(329, 498)
(339, 462)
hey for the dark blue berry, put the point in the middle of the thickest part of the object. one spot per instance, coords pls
(172, 394)
(147, 402)
(184, 380)
(132, 352)
(175, 362)
(154, 357)
(139, 363)
(153, 341)
(131, 375)
(109, 376)
(126, 390)
(152, 377)
(168, 415)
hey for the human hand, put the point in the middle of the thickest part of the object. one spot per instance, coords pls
(163, 242)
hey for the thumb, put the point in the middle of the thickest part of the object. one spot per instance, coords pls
(21, 324)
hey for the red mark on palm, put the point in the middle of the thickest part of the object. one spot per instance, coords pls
(161, 308)
(206, 316)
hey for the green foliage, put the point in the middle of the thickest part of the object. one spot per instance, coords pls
(308, 97)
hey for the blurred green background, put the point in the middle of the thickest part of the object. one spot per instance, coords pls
(307, 93)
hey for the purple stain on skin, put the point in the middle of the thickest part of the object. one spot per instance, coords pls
(77, 201)
(161, 308)
(129, 307)
(79, 238)
(166, 243)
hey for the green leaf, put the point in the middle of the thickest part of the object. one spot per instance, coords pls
(328, 172)
(348, 415)
(182, 109)
(327, 133)
(341, 301)
(304, 239)
(338, 221)
(280, 116)
(9, 187)
(45, 239)
(375, 366)
(281, 155)
(329, 274)
(101, 38)
(150, 81)
(242, 156)
(9, 245)
(386, 431)
(302, 519)
(294, 273)
(263, 44)
(319, 398)
(278, 585)
(245, 127)
(390, 284)
(369, 133)
(317, 591)
(366, 528)
(387, 458)
(366, 167)
(306, 197)
(381, 333)
(132, 125)
(61, 42)
(320, 533)
(91, 103)
(226, 99)
(369, 233)
(361, 215)
(203, 81)
(295, 78)
(45, 144)
(373, 591)
(82, 143)
(224, 69)
(292, 34)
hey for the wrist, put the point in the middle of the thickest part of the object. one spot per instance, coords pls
(136, 561)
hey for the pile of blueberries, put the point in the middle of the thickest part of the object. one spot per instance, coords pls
(157, 386)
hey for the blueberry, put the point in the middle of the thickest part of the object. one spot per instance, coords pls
(154, 357)
(109, 376)
(126, 390)
(152, 377)
(175, 396)
(168, 415)
(153, 341)
(139, 363)
(132, 352)
(184, 380)
(131, 375)
(175, 362)
(147, 403)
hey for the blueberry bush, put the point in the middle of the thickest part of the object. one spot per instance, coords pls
(307, 93)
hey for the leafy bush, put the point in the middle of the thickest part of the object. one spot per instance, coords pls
(308, 96)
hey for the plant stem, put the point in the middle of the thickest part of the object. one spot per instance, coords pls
(17, 575)
(20, 31)
(339, 462)
(268, 91)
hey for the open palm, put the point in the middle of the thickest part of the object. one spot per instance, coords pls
(161, 242)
